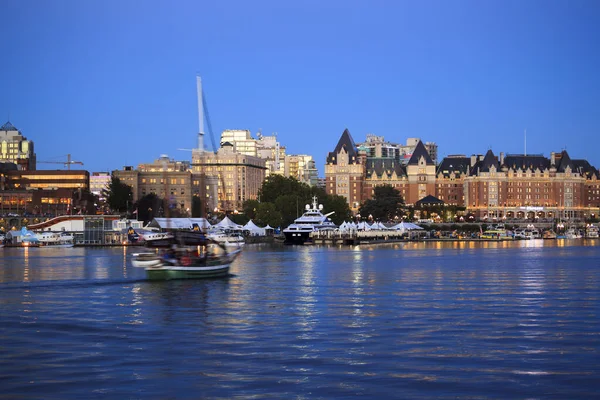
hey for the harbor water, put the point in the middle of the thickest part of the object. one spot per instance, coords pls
(408, 320)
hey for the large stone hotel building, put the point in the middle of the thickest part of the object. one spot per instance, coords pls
(488, 186)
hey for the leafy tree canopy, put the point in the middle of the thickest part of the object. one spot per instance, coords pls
(267, 214)
(385, 205)
(119, 196)
(148, 207)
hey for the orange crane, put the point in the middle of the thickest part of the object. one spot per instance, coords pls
(68, 163)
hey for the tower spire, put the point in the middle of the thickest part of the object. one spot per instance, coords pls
(200, 114)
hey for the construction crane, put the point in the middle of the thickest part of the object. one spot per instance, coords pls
(68, 163)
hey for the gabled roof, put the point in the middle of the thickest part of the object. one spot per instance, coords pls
(429, 199)
(8, 127)
(347, 143)
(418, 152)
(565, 161)
(381, 166)
(523, 162)
(488, 161)
(456, 165)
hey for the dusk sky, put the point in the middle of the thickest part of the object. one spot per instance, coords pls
(114, 82)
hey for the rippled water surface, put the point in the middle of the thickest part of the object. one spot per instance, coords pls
(413, 320)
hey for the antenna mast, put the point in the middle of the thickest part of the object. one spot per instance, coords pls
(525, 142)
(200, 114)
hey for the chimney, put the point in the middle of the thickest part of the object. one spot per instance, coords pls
(473, 160)
(501, 158)
(553, 159)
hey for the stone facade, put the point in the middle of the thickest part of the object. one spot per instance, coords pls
(167, 179)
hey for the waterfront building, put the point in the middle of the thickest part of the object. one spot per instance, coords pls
(43, 192)
(15, 148)
(49, 179)
(168, 179)
(354, 171)
(531, 187)
(515, 186)
(236, 176)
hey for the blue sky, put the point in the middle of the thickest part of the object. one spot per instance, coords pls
(113, 82)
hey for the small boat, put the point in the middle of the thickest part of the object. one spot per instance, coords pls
(549, 234)
(572, 234)
(187, 262)
(591, 231)
(497, 234)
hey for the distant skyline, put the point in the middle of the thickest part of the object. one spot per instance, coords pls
(113, 83)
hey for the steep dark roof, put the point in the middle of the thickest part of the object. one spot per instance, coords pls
(347, 143)
(459, 165)
(381, 166)
(418, 152)
(565, 161)
(523, 162)
(488, 161)
(8, 127)
(585, 168)
(429, 199)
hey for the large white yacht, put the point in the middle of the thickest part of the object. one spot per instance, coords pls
(312, 220)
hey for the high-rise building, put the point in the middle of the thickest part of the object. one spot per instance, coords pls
(238, 176)
(98, 182)
(15, 148)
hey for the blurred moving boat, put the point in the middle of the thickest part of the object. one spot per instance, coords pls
(210, 260)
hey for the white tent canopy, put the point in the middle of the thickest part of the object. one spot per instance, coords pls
(226, 223)
(254, 229)
(406, 226)
(179, 223)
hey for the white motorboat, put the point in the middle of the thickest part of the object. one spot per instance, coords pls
(313, 220)
(227, 238)
(573, 234)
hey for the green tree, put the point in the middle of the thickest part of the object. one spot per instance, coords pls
(267, 214)
(119, 196)
(147, 207)
(385, 205)
(340, 206)
(197, 207)
(277, 185)
(249, 208)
